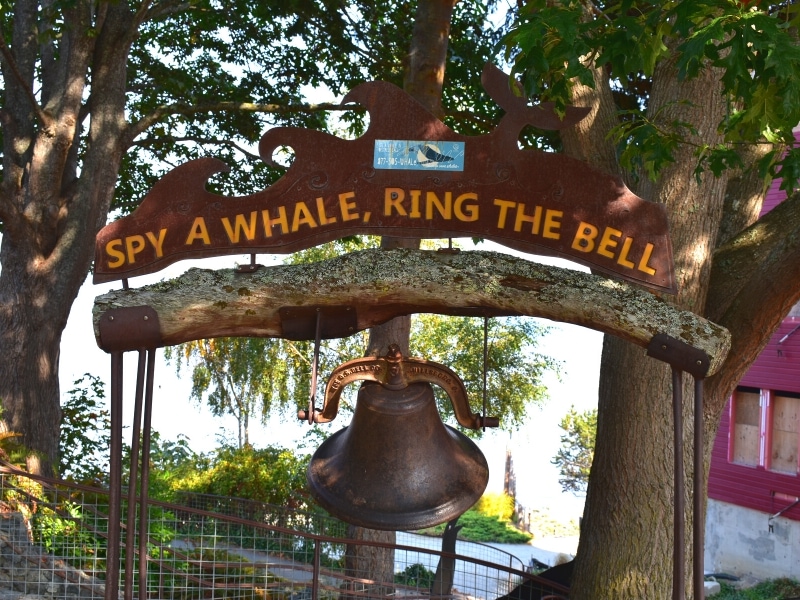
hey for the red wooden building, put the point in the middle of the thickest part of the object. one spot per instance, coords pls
(753, 520)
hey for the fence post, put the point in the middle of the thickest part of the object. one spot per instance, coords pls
(315, 580)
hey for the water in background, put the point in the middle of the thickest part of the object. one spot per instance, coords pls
(476, 580)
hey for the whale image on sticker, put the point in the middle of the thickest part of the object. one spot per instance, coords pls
(418, 155)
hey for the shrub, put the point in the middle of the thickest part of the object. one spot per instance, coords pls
(416, 575)
(499, 505)
(273, 475)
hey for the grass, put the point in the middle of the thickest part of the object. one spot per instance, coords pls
(773, 589)
(477, 527)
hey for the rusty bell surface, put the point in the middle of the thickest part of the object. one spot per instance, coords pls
(397, 466)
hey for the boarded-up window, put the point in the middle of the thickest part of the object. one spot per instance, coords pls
(785, 433)
(746, 430)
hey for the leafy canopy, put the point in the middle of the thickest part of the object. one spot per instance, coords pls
(207, 77)
(753, 44)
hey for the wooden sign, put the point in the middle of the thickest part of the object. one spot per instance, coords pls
(409, 175)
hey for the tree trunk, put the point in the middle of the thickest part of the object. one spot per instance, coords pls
(627, 526)
(30, 337)
(424, 78)
(52, 205)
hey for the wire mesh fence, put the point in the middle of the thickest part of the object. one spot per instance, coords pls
(54, 537)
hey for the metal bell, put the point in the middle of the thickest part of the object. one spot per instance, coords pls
(397, 466)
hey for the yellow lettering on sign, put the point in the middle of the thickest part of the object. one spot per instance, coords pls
(444, 209)
(552, 223)
(199, 231)
(585, 240)
(302, 216)
(323, 218)
(584, 237)
(393, 201)
(415, 196)
(279, 220)
(643, 266)
(248, 228)
(134, 244)
(119, 255)
(622, 259)
(534, 219)
(504, 206)
(348, 206)
(466, 212)
(608, 241)
(158, 242)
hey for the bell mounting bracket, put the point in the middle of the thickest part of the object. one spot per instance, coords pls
(396, 372)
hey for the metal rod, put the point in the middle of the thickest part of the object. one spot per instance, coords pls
(144, 492)
(115, 479)
(698, 522)
(315, 580)
(485, 365)
(314, 364)
(133, 477)
(679, 524)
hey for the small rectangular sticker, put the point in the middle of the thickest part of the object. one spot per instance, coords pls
(414, 155)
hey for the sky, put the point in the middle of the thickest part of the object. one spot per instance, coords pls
(532, 447)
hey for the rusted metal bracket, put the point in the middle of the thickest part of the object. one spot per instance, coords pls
(129, 328)
(679, 354)
(300, 322)
(252, 267)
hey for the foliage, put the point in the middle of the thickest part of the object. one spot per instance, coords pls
(574, 457)
(754, 47)
(773, 589)
(479, 527)
(61, 532)
(171, 463)
(248, 377)
(85, 438)
(416, 575)
(494, 504)
(11, 448)
(514, 369)
(284, 55)
(231, 572)
(273, 475)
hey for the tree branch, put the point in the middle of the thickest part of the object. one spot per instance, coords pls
(381, 284)
(43, 117)
(754, 285)
(167, 110)
(161, 9)
(201, 141)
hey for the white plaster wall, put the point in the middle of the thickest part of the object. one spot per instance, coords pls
(739, 542)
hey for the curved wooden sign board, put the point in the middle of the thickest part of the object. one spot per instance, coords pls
(409, 175)
(362, 289)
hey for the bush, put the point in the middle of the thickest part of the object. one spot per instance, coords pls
(416, 575)
(773, 589)
(478, 527)
(272, 475)
(499, 505)
(85, 425)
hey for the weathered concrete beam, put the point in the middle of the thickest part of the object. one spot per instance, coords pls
(380, 284)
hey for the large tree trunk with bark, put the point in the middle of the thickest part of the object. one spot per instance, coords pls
(54, 197)
(30, 335)
(424, 78)
(627, 526)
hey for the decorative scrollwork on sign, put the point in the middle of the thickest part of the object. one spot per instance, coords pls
(318, 181)
(409, 175)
